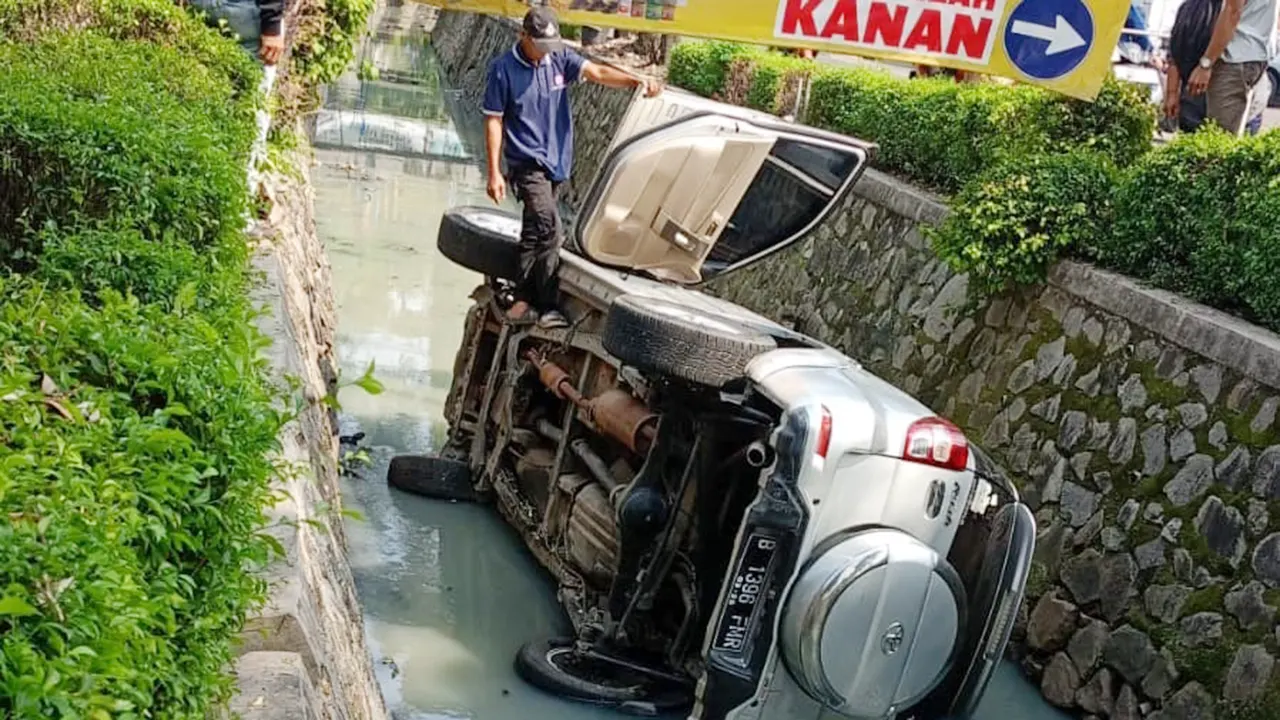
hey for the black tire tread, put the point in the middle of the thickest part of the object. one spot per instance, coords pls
(432, 477)
(533, 667)
(476, 247)
(639, 334)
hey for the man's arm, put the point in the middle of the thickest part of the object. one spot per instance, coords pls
(271, 14)
(1172, 91)
(1223, 31)
(493, 152)
(494, 106)
(613, 77)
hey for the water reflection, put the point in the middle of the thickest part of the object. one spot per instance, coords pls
(448, 590)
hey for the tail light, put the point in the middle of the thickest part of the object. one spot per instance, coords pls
(824, 434)
(934, 441)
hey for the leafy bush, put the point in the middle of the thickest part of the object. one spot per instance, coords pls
(160, 22)
(1010, 225)
(326, 39)
(133, 481)
(136, 414)
(124, 132)
(701, 66)
(933, 131)
(1199, 217)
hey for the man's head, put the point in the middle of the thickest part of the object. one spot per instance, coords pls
(540, 33)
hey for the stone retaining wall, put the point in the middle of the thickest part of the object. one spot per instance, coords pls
(305, 656)
(1140, 426)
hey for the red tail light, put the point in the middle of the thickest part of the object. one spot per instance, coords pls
(934, 441)
(824, 434)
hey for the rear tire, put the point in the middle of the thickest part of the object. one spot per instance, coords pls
(432, 477)
(553, 666)
(482, 239)
(668, 339)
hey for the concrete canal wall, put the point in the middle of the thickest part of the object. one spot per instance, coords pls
(305, 655)
(1140, 426)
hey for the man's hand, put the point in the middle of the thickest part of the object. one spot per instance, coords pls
(1199, 82)
(497, 188)
(1172, 105)
(271, 48)
(652, 87)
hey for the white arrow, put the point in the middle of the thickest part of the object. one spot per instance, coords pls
(1062, 36)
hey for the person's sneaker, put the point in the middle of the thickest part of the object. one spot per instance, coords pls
(552, 320)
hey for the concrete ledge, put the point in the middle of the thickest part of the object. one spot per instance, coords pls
(274, 686)
(900, 198)
(1248, 349)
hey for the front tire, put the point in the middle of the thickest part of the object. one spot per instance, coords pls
(554, 665)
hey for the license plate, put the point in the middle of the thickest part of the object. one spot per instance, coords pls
(742, 607)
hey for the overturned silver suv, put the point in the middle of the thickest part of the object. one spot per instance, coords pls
(742, 522)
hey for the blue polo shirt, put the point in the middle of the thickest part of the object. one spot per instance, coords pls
(533, 103)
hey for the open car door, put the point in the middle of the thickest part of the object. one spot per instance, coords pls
(692, 188)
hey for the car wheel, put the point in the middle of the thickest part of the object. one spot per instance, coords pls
(482, 239)
(662, 337)
(555, 666)
(433, 477)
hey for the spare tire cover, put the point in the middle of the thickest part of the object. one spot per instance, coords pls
(873, 623)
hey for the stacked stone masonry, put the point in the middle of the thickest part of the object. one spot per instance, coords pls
(1140, 427)
(305, 655)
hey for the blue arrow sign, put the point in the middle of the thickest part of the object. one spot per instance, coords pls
(1047, 39)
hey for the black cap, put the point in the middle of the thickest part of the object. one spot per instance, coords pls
(541, 25)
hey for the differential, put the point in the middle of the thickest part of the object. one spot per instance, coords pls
(873, 623)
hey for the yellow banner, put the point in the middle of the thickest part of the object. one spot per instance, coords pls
(1063, 45)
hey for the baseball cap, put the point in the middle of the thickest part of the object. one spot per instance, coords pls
(541, 26)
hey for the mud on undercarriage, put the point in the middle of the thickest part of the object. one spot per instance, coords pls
(629, 491)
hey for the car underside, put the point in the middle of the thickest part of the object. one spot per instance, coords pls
(741, 522)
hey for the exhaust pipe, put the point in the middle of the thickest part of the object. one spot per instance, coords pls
(615, 412)
(758, 454)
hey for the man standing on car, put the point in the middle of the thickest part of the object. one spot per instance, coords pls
(529, 124)
(1234, 61)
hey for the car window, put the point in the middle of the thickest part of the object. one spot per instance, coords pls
(792, 188)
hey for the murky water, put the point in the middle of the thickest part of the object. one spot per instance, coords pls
(448, 591)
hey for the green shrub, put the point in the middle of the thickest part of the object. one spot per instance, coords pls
(1010, 225)
(127, 133)
(933, 131)
(136, 414)
(1199, 217)
(326, 39)
(160, 22)
(132, 480)
(164, 273)
(700, 67)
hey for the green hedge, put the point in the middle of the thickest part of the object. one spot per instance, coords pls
(1010, 225)
(1197, 217)
(935, 131)
(136, 415)
(1201, 217)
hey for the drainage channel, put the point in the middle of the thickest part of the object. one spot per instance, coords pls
(448, 591)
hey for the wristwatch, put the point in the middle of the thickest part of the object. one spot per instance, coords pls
(1206, 63)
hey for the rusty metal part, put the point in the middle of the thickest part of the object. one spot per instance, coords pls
(620, 415)
(555, 378)
(615, 412)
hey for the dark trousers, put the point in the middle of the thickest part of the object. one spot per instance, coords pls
(540, 237)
